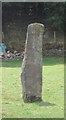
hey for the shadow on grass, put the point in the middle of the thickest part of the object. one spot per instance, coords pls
(42, 103)
(47, 61)
(11, 63)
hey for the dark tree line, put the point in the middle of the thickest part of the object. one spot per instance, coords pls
(51, 13)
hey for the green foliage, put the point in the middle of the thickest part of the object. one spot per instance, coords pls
(53, 45)
(50, 13)
(55, 16)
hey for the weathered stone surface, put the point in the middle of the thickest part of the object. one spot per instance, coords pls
(31, 76)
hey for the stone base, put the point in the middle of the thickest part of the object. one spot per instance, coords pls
(32, 99)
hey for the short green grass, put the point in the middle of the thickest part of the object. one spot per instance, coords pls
(52, 105)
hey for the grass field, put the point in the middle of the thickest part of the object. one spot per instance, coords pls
(52, 105)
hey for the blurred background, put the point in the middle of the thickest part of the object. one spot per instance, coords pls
(17, 15)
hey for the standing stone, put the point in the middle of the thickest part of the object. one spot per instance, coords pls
(31, 76)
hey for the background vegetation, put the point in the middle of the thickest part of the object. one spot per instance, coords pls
(17, 16)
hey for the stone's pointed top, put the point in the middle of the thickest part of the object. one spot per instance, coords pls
(34, 24)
